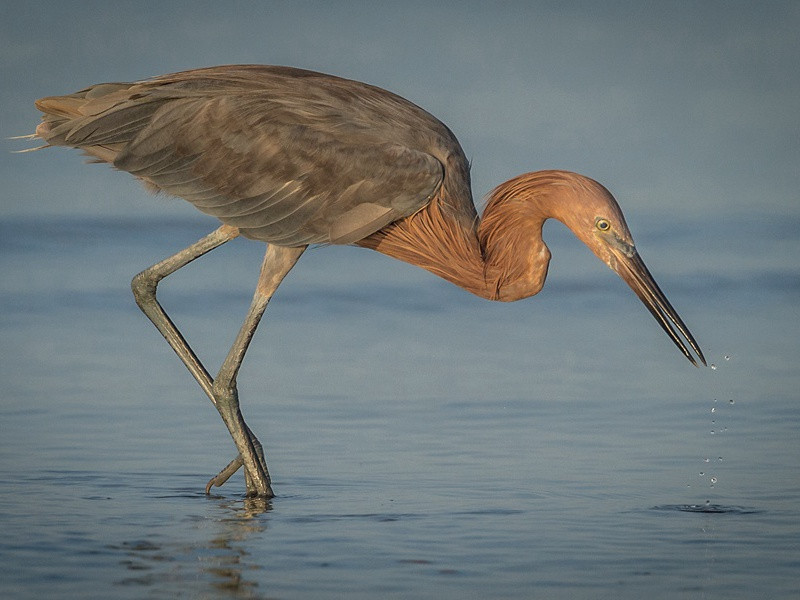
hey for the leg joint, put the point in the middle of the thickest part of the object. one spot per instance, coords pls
(144, 286)
(226, 395)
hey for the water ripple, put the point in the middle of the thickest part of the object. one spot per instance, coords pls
(708, 508)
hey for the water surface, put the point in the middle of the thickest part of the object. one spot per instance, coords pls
(423, 443)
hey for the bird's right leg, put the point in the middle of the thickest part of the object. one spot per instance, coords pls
(278, 261)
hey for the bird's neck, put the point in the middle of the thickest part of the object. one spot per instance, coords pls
(500, 257)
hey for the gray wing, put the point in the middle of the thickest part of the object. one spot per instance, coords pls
(277, 174)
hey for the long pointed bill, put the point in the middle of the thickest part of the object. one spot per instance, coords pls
(632, 269)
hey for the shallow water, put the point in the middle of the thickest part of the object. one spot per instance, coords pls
(422, 443)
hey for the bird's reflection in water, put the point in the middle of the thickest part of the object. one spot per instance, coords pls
(215, 562)
(229, 564)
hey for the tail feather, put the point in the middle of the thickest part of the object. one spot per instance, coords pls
(61, 106)
(89, 101)
(98, 120)
(30, 136)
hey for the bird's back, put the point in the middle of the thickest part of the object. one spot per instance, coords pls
(289, 156)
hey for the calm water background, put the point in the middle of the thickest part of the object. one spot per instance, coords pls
(423, 443)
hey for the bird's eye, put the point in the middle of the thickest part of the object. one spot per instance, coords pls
(602, 225)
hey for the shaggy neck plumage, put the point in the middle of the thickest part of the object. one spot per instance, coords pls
(500, 257)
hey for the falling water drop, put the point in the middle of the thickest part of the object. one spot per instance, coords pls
(713, 367)
(714, 409)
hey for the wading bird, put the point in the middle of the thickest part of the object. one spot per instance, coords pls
(293, 158)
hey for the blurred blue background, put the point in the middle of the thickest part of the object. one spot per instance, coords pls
(688, 110)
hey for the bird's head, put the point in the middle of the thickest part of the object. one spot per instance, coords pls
(594, 216)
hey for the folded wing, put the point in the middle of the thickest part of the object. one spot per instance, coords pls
(282, 169)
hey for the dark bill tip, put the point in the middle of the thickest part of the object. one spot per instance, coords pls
(633, 270)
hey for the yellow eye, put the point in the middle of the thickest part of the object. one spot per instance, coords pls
(602, 224)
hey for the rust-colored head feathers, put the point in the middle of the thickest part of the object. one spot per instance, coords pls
(577, 201)
(503, 256)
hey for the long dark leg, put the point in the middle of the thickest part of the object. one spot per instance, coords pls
(144, 289)
(278, 261)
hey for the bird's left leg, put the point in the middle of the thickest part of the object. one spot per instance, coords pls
(144, 287)
(278, 261)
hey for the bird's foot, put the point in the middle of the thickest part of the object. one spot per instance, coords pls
(220, 478)
(225, 474)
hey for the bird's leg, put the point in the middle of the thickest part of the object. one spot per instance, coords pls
(223, 394)
(144, 291)
(144, 287)
(230, 469)
(278, 261)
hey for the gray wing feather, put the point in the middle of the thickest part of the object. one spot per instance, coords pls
(258, 167)
(288, 156)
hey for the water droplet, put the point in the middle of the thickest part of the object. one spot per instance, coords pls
(708, 502)
(719, 458)
(713, 480)
(714, 409)
(713, 432)
(706, 460)
(731, 401)
(727, 357)
(702, 474)
(713, 367)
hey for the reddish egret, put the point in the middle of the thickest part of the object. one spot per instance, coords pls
(292, 158)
